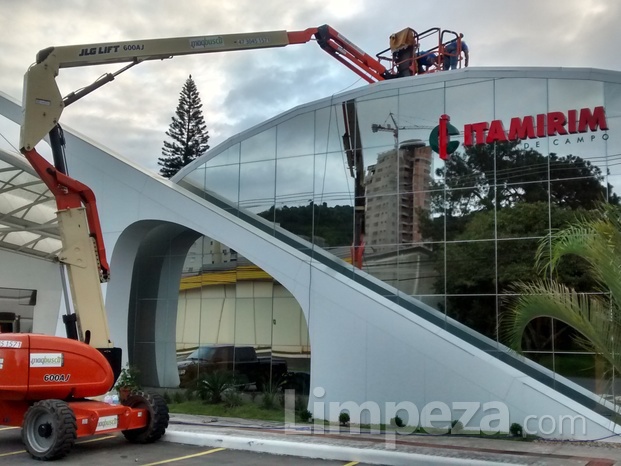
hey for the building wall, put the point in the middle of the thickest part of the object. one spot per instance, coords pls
(28, 272)
(367, 345)
(480, 215)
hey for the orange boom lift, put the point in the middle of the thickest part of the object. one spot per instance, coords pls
(47, 382)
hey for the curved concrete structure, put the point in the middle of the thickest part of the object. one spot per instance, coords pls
(375, 352)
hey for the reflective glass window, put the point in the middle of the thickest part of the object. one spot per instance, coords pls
(256, 185)
(296, 136)
(261, 146)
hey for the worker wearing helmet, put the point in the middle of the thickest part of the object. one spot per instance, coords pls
(452, 54)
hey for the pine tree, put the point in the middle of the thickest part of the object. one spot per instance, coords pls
(188, 132)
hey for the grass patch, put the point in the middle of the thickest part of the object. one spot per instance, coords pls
(245, 411)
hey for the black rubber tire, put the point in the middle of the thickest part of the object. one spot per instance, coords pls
(49, 430)
(157, 410)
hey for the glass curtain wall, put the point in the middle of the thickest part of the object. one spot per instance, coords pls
(234, 319)
(454, 234)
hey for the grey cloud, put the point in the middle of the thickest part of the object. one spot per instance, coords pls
(239, 90)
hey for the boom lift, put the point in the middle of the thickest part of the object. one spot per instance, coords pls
(45, 381)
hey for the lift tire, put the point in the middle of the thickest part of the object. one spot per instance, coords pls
(157, 423)
(49, 430)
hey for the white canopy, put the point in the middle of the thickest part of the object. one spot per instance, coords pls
(27, 209)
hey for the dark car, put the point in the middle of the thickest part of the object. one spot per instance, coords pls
(242, 361)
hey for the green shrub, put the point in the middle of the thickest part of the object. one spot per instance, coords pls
(232, 398)
(128, 379)
(397, 421)
(211, 386)
(272, 394)
(516, 430)
(344, 418)
(178, 397)
(167, 398)
(456, 426)
(305, 415)
(301, 403)
(269, 399)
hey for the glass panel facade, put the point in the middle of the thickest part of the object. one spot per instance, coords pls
(456, 234)
(233, 317)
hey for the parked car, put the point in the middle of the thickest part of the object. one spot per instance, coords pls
(242, 361)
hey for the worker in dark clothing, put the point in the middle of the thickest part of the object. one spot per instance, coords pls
(452, 55)
(425, 60)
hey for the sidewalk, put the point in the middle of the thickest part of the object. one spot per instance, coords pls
(299, 440)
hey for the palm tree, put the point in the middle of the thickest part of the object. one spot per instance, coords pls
(596, 316)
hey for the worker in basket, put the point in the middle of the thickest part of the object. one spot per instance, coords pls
(425, 61)
(453, 51)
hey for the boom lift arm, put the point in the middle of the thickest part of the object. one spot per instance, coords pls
(43, 105)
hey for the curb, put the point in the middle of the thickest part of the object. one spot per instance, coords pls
(319, 451)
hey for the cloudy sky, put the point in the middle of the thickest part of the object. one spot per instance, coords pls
(240, 89)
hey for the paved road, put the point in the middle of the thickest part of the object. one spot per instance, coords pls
(115, 450)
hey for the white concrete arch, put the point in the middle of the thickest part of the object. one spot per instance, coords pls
(150, 253)
(367, 349)
(361, 341)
